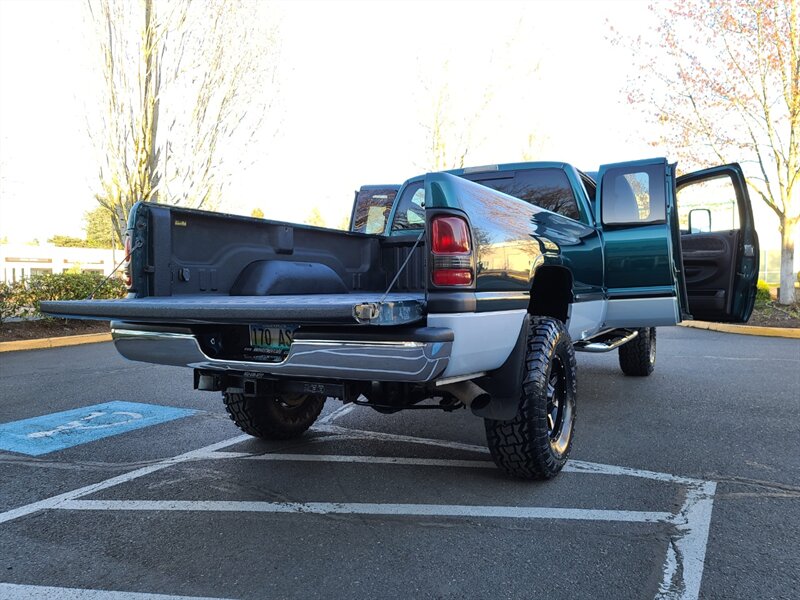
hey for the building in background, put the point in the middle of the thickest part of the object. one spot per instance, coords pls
(20, 261)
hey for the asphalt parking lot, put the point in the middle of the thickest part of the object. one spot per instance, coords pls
(685, 484)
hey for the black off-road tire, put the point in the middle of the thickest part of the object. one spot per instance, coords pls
(274, 418)
(536, 443)
(637, 358)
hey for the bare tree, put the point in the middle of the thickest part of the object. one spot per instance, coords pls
(450, 130)
(186, 87)
(463, 103)
(723, 82)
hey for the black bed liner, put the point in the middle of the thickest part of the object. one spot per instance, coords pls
(395, 309)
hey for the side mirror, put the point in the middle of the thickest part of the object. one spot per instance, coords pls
(699, 220)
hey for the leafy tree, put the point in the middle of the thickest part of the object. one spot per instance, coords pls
(722, 80)
(344, 224)
(67, 241)
(99, 228)
(315, 218)
(185, 85)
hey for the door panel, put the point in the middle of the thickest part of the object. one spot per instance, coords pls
(637, 260)
(720, 257)
(708, 263)
(636, 203)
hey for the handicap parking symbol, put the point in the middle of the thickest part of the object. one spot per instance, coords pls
(56, 431)
(98, 419)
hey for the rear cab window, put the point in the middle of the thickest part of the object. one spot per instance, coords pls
(371, 208)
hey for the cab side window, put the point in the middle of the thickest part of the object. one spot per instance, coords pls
(410, 212)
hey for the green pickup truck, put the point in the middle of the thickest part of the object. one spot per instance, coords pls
(469, 288)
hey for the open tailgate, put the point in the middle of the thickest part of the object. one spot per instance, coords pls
(328, 309)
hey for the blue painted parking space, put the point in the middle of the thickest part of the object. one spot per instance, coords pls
(56, 431)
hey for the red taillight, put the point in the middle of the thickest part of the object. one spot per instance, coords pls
(452, 252)
(128, 278)
(452, 276)
(450, 235)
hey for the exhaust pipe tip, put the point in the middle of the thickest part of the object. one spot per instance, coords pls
(468, 393)
(481, 401)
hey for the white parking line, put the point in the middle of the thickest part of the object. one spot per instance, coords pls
(686, 555)
(395, 437)
(13, 591)
(368, 508)
(339, 412)
(375, 460)
(54, 501)
(582, 466)
(685, 560)
(573, 466)
(199, 454)
(682, 569)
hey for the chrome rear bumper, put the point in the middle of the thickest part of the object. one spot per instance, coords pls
(412, 361)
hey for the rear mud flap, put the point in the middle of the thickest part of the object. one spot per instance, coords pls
(504, 385)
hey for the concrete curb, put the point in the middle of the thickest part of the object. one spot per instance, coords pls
(56, 342)
(782, 332)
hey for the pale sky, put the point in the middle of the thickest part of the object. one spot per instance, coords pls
(351, 100)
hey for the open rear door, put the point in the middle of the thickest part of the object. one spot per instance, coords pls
(642, 256)
(719, 243)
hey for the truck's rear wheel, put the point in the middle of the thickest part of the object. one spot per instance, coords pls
(274, 417)
(535, 444)
(638, 357)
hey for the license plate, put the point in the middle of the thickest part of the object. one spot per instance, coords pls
(271, 339)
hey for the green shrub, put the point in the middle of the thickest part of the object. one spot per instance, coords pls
(72, 286)
(21, 299)
(762, 293)
(10, 301)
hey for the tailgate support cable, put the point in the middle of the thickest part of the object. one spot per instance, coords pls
(136, 246)
(402, 267)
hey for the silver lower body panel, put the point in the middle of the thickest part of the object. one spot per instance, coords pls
(347, 360)
(642, 312)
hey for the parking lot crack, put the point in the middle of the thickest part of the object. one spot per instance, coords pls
(75, 465)
(781, 489)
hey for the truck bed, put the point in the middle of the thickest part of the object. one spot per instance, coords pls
(394, 309)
